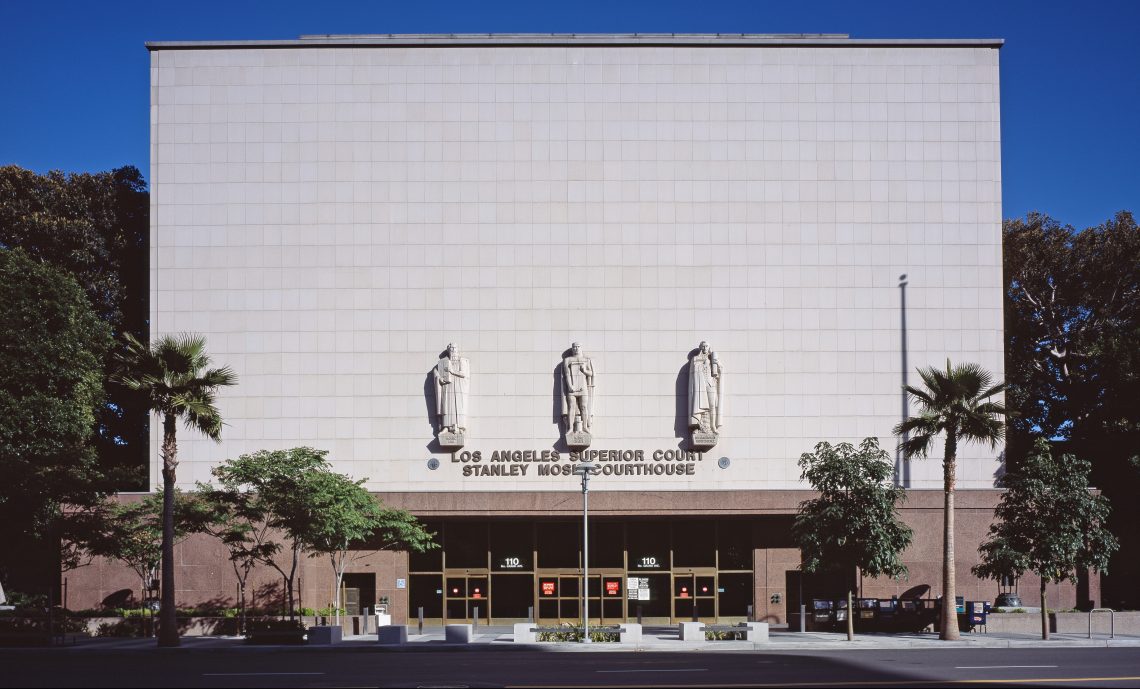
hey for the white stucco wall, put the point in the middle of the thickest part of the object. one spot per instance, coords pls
(330, 218)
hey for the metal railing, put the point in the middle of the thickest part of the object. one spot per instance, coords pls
(1111, 621)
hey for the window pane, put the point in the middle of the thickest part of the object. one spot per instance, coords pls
(457, 587)
(558, 544)
(694, 544)
(648, 546)
(570, 609)
(735, 544)
(514, 595)
(432, 560)
(735, 594)
(425, 591)
(466, 544)
(607, 545)
(511, 546)
(568, 587)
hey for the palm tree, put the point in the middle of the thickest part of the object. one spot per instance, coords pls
(955, 402)
(173, 375)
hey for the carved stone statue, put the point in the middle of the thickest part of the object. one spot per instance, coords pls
(577, 397)
(706, 393)
(452, 377)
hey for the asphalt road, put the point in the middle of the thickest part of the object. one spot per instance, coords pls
(283, 667)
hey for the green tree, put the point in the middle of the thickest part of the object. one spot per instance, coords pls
(269, 487)
(854, 522)
(958, 403)
(343, 515)
(94, 227)
(238, 520)
(1072, 324)
(1071, 299)
(131, 532)
(174, 375)
(1049, 522)
(51, 352)
(296, 494)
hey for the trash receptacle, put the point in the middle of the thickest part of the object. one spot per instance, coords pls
(840, 611)
(822, 614)
(866, 612)
(888, 610)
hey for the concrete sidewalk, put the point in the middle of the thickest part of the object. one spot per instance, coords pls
(655, 639)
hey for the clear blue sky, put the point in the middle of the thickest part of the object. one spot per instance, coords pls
(74, 81)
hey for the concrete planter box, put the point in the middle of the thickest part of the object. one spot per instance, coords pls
(1126, 623)
(325, 636)
(288, 637)
(392, 634)
(629, 634)
(228, 626)
(458, 633)
(524, 633)
(691, 632)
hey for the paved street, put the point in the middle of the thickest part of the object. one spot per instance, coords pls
(209, 665)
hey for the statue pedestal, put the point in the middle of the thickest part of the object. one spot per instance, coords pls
(450, 441)
(578, 440)
(704, 441)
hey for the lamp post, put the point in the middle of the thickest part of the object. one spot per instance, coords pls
(585, 470)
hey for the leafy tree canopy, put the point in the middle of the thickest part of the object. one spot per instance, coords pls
(94, 227)
(342, 514)
(1049, 521)
(854, 521)
(1072, 310)
(51, 372)
(1072, 326)
(130, 532)
(295, 492)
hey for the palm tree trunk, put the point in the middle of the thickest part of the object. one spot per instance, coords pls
(949, 630)
(168, 615)
(1045, 614)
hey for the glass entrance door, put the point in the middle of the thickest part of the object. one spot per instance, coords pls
(513, 596)
(560, 597)
(465, 596)
(607, 596)
(694, 596)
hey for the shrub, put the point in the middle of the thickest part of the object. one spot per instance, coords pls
(571, 633)
(725, 636)
(275, 626)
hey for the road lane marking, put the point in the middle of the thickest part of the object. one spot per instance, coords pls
(999, 667)
(256, 674)
(1051, 680)
(694, 669)
(877, 683)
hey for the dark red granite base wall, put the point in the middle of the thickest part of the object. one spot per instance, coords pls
(205, 574)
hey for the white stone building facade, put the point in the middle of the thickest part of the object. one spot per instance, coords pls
(332, 212)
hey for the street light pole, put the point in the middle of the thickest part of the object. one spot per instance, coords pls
(585, 470)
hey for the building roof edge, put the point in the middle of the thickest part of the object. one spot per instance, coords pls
(634, 39)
